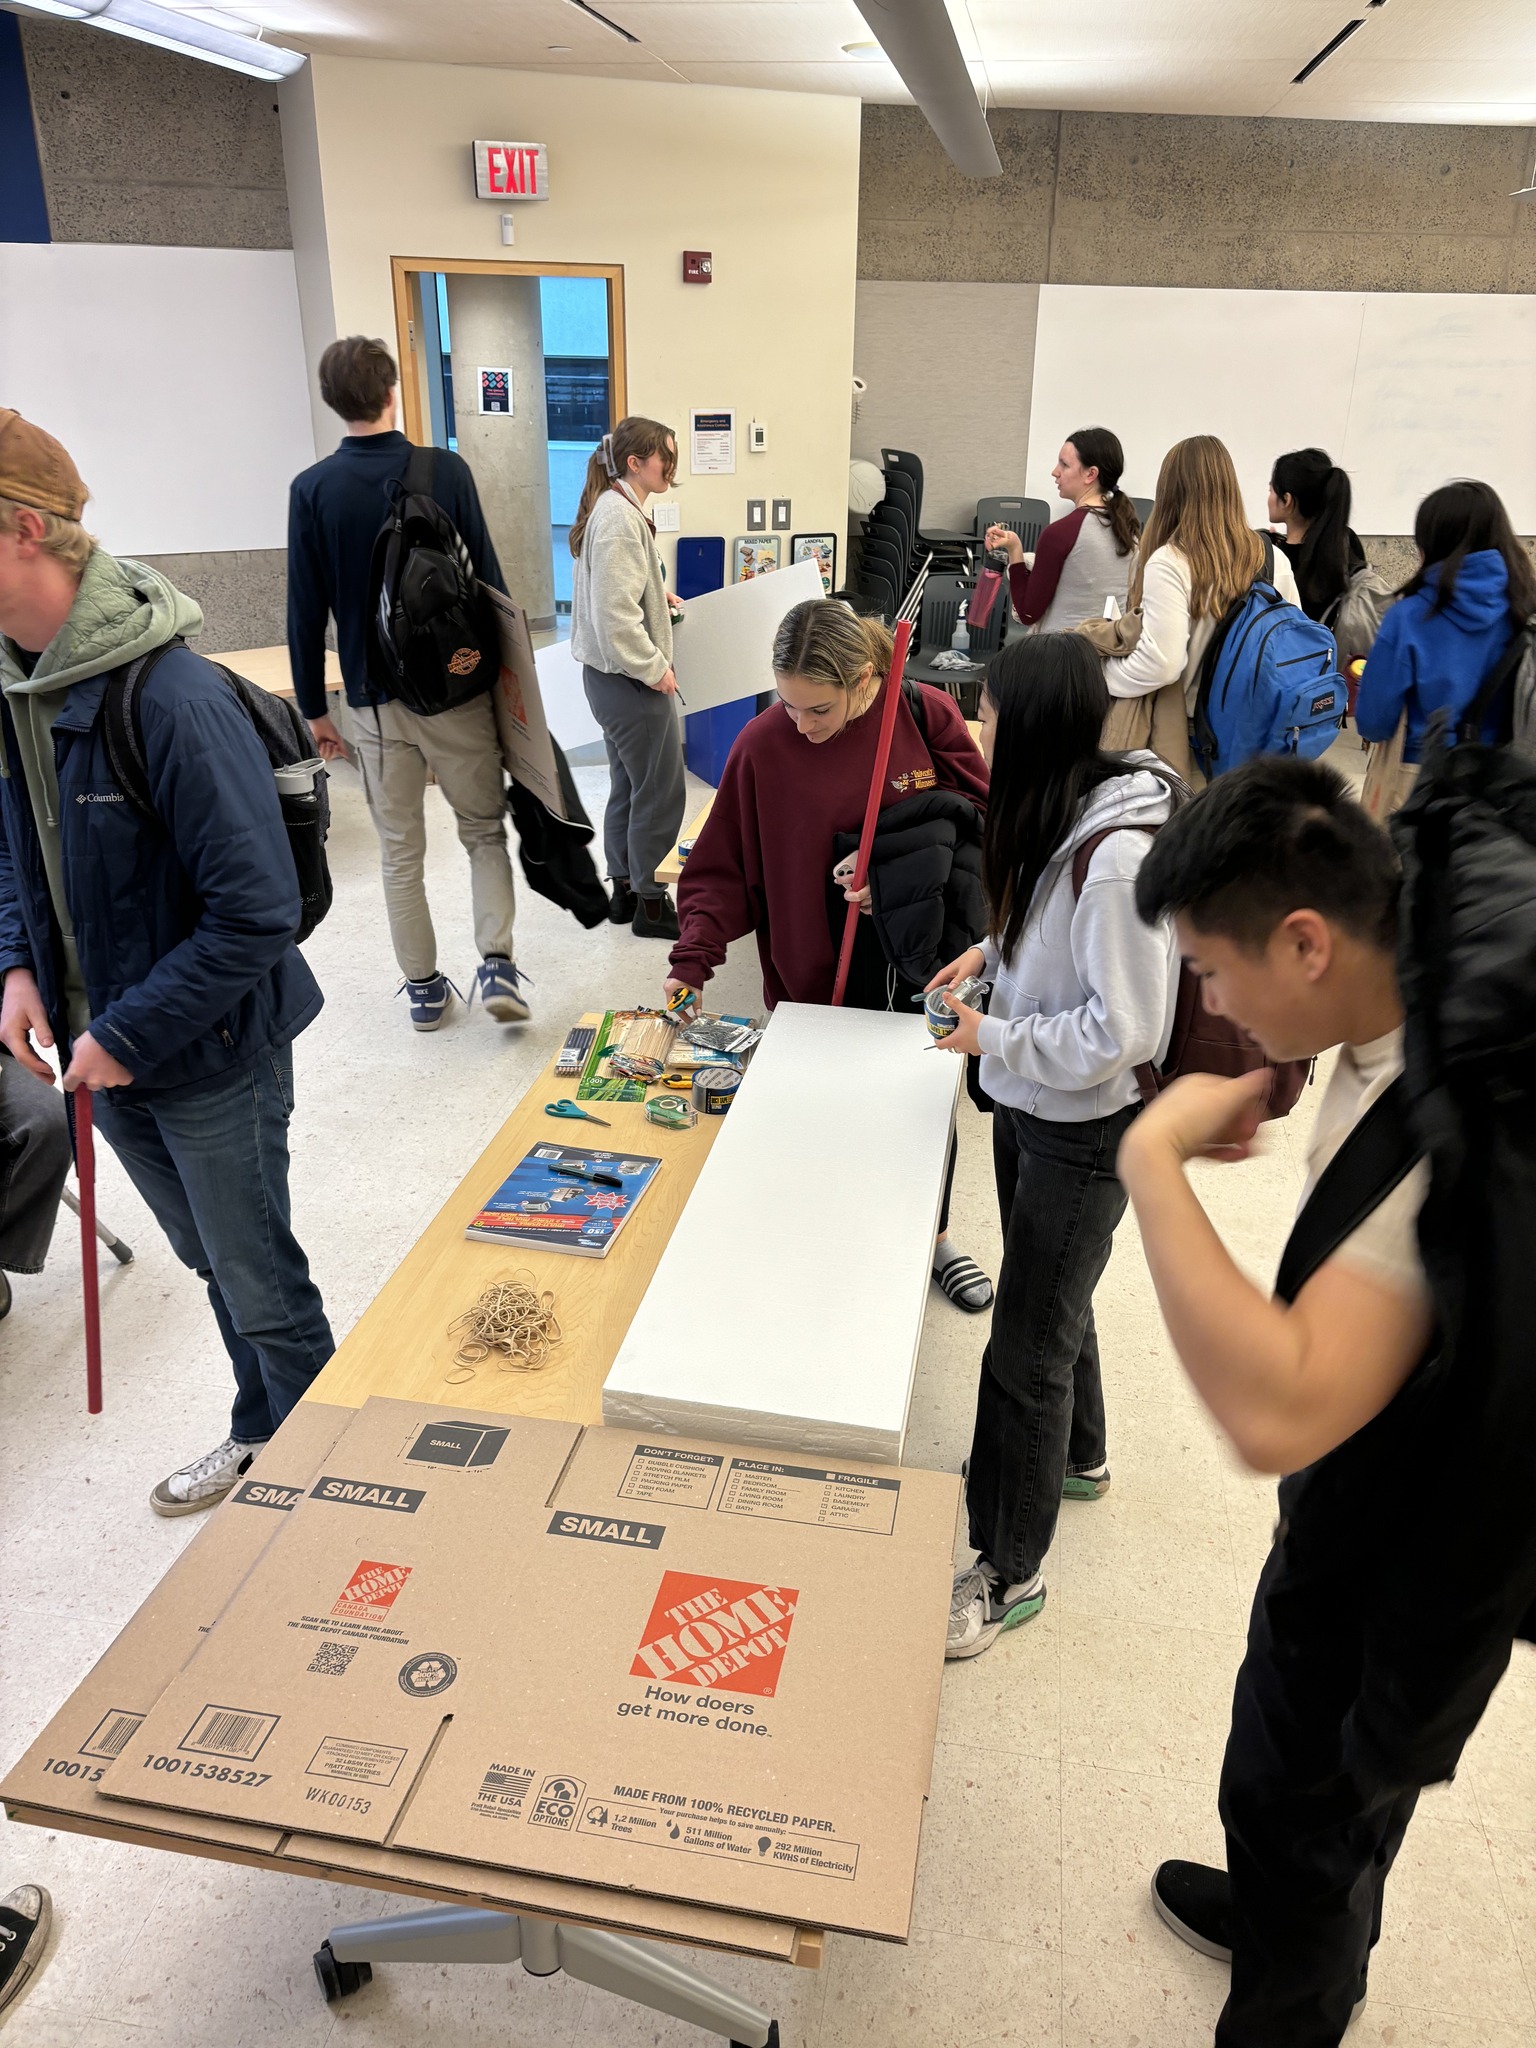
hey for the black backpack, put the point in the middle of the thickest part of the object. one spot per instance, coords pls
(289, 743)
(432, 642)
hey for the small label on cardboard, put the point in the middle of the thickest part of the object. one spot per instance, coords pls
(684, 1479)
(467, 1444)
(367, 1493)
(256, 1493)
(372, 1590)
(705, 1631)
(356, 1763)
(803, 1493)
(604, 1529)
(558, 1802)
(502, 1792)
(766, 1839)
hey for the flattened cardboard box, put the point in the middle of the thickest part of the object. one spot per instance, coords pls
(668, 1667)
(56, 1782)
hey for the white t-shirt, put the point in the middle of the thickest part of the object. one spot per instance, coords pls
(1385, 1246)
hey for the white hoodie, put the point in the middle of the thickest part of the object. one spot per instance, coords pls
(1089, 994)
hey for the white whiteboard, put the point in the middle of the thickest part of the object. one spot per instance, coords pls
(174, 377)
(1403, 389)
(722, 646)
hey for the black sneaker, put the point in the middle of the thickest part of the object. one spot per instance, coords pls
(621, 904)
(654, 918)
(25, 1917)
(1196, 1902)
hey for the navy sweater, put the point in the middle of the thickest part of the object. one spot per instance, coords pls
(335, 511)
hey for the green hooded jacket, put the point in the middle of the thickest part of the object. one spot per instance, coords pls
(122, 609)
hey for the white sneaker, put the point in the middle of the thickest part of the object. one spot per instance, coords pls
(981, 1607)
(205, 1481)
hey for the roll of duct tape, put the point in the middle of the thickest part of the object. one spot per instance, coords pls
(714, 1089)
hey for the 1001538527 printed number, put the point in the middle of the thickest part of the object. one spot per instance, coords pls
(222, 1774)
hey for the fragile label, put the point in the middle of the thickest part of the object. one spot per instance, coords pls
(355, 1763)
(703, 1631)
(372, 1590)
(686, 1479)
(806, 1493)
(737, 1841)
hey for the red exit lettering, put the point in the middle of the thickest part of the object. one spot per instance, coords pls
(513, 171)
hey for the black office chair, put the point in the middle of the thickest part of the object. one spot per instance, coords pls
(943, 543)
(1143, 508)
(877, 591)
(1028, 517)
(942, 597)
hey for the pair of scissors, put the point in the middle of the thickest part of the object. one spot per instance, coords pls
(565, 1107)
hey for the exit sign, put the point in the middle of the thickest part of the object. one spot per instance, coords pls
(511, 170)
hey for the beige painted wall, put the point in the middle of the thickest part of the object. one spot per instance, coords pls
(1163, 199)
(767, 181)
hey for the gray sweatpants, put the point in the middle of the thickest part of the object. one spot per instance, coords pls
(395, 748)
(34, 1158)
(646, 792)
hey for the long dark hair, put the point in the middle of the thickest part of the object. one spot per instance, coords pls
(1462, 519)
(1050, 700)
(1320, 491)
(1097, 448)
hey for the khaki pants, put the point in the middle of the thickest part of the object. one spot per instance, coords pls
(395, 748)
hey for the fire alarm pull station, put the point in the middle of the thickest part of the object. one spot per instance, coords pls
(698, 266)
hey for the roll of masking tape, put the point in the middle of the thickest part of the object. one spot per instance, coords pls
(714, 1089)
(671, 1113)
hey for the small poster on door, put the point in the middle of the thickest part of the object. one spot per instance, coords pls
(496, 391)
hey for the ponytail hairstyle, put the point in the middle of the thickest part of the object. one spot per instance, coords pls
(608, 464)
(1051, 700)
(827, 642)
(1199, 510)
(1097, 448)
(1319, 490)
(1462, 519)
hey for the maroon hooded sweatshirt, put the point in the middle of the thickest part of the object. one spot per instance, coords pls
(762, 861)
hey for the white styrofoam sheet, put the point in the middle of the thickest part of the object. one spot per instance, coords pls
(787, 1307)
(722, 646)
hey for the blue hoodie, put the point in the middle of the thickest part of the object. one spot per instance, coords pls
(1423, 659)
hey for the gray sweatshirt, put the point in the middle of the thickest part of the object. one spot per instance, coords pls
(619, 619)
(1088, 995)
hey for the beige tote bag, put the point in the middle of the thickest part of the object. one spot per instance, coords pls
(1389, 779)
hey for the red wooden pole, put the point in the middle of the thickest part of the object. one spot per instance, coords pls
(85, 1167)
(872, 808)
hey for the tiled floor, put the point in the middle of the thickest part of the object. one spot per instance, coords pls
(1070, 1760)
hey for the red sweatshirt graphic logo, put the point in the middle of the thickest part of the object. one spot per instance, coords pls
(709, 1631)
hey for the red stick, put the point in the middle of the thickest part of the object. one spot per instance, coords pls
(872, 808)
(85, 1167)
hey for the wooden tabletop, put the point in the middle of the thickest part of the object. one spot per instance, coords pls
(267, 668)
(401, 1347)
(670, 870)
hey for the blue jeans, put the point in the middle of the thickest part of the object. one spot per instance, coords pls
(212, 1164)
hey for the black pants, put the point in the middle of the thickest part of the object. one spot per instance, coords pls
(1309, 1843)
(1040, 1405)
(34, 1159)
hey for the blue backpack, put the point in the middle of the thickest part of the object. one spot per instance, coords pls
(1269, 682)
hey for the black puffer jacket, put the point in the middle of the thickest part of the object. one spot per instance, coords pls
(926, 900)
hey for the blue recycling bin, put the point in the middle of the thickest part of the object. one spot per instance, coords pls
(708, 736)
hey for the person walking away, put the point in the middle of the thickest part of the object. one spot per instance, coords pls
(621, 633)
(335, 511)
(1085, 559)
(795, 782)
(1197, 555)
(34, 1161)
(1309, 500)
(1083, 994)
(1473, 589)
(158, 958)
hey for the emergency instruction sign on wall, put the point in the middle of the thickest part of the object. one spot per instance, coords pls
(511, 170)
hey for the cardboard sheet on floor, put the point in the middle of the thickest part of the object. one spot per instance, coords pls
(672, 1668)
(831, 1169)
(55, 1783)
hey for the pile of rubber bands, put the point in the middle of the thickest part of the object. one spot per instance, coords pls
(511, 1323)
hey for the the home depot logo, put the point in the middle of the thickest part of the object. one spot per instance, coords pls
(372, 1590)
(704, 1631)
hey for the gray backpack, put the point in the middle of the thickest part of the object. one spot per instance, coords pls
(1354, 618)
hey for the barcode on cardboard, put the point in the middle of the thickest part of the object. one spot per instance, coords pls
(110, 1735)
(228, 1731)
(332, 1659)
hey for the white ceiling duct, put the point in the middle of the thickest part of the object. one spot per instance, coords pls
(919, 39)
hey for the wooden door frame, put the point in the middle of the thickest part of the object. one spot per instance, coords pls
(406, 272)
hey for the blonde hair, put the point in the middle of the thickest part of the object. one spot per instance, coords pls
(608, 464)
(827, 642)
(65, 539)
(1199, 510)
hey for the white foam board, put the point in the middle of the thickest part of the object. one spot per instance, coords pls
(722, 646)
(787, 1307)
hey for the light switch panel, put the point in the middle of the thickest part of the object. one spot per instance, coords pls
(757, 515)
(781, 519)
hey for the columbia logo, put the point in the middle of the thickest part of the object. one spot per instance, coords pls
(100, 796)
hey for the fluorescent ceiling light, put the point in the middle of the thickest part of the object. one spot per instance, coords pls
(183, 34)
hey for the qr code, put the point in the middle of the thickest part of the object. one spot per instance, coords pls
(331, 1659)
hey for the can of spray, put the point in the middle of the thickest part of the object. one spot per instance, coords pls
(940, 1018)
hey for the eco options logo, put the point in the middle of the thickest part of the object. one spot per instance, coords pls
(704, 1631)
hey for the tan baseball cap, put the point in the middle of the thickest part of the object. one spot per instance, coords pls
(36, 470)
